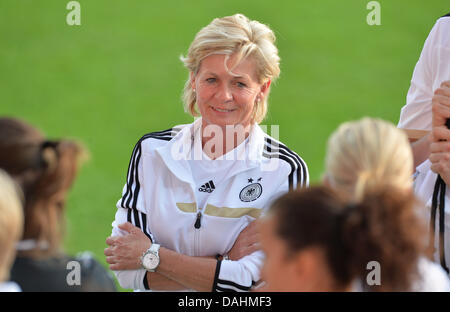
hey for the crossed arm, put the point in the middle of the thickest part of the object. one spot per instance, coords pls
(176, 271)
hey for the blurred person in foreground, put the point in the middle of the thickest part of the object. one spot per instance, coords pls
(11, 224)
(325, 238)
(45, 170)
(192, 189)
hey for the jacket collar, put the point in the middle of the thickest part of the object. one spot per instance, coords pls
(175, 154)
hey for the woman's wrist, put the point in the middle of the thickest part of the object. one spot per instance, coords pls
(222, 257)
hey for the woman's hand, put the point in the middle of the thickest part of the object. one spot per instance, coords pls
(246, 243)
(441, 104)
(440, 159)
(440, 135)
(124, 252)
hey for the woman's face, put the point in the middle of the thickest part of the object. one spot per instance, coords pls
(279, 270)
(286, 270)
(227, 98)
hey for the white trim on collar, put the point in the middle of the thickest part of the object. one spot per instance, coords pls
(175, 154)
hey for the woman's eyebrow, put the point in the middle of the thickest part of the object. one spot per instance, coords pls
(240, 77)
(235, 76)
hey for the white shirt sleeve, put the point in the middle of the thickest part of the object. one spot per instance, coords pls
(130, 208)
(129, 279)
(238, 275)
(432, 278)
(431, 70)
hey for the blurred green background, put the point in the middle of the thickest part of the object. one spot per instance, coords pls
(118, 76)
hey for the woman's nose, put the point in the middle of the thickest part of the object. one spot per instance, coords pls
(224, 93)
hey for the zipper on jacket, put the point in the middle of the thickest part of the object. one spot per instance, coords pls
(198, 224)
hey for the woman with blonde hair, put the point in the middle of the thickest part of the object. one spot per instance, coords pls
(193, 188)
(11, 224)
(370, 215)
(45, 170)
(368, 154)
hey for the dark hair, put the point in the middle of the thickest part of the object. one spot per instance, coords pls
(383, 227)
(42, 168)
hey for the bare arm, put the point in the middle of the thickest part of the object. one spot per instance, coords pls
(421, 150)
(192, 272)
(175, 272)
(157, 281)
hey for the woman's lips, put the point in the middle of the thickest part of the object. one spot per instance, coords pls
(222, 110)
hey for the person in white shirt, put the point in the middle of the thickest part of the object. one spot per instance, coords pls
(192, 189)
(428, 108)
(367, 216)
(11, 224)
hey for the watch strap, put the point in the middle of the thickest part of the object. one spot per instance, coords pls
(154, 248)
(146, 281)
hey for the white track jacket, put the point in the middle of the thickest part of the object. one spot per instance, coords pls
(159, 197)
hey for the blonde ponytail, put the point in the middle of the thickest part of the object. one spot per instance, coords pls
(367, 154)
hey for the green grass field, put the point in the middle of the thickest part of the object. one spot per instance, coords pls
(118, 76)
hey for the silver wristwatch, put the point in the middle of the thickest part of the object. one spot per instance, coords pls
(150, 258)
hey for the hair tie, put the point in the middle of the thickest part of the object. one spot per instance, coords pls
(46, 143)
(343, 216)
(49, 154)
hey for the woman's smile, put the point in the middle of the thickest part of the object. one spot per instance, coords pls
(222, 110)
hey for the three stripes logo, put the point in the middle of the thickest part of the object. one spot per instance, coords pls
(207, 187)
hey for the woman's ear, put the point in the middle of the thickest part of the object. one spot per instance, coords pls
(304, 263)
(265, 87)
(309, 269)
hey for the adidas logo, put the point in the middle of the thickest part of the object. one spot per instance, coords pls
(207, 187)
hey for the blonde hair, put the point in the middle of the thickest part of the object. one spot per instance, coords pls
(11, 223)
(234, 35)
(368, 153)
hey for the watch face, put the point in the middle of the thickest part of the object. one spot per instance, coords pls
(150, 261)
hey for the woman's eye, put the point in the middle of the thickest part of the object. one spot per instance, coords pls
(211, 80)
(241, 85)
